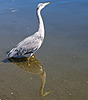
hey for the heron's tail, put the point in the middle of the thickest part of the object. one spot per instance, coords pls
(12, 53)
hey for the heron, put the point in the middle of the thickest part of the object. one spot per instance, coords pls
(28, 46)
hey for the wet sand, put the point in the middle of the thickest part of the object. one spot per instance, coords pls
(63, 55)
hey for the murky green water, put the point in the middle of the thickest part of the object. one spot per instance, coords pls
(63, 55)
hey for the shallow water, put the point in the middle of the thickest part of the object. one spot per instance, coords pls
(63, 55)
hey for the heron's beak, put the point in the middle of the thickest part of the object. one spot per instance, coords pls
(47, 3)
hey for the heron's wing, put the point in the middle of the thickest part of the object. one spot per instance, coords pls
(28, 46)
(28, 40)
(24, 51)
(21, 51)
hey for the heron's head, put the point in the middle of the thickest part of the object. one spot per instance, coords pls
(42, 5)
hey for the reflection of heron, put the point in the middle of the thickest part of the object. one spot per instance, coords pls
(34, 68)
(31, 44)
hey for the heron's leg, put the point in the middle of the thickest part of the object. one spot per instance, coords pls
(28, 61)
(43, 80)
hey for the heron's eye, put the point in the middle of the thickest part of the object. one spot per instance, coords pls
(41, 4)
(16, 50)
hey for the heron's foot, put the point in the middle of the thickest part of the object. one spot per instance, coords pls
(45, 94)
(29, 64)
(33, 56)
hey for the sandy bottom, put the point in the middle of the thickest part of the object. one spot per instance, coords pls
(66, 80)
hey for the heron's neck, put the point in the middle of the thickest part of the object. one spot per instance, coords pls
(41, 24)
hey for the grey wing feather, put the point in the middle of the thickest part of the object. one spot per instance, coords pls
(27, 52)
(27, 47)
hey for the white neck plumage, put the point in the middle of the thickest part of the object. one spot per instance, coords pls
(41, 24)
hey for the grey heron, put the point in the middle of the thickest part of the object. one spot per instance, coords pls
(31, 44)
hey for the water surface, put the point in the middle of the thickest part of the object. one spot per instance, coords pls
(63, 55)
